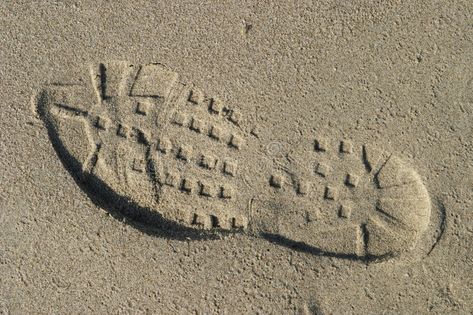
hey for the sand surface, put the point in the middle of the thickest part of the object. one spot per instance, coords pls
(204, 157)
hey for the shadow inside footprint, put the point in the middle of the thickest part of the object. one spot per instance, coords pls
(302, 247)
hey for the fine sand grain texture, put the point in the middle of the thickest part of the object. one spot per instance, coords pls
(192, 157)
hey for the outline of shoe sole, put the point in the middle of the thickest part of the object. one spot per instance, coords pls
(160, 150)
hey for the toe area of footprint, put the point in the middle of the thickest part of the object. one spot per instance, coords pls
(136, 134)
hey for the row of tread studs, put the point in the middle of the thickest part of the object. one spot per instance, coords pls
(215, 132)
(190, 185)
(215, 106)
(206, 161)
